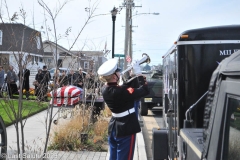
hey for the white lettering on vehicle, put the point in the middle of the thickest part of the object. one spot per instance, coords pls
(227, 52)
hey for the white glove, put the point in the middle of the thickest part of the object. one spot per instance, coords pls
(136, 68)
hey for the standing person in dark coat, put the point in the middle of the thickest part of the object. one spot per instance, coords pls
(80, 78)
(90, 80)
(123, 125)
(37, 82)
(25, 84)
(1, 79)
(44, 78)
(72, 78)
(63, 80)
(11, 81)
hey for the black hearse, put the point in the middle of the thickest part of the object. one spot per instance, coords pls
(194, 131)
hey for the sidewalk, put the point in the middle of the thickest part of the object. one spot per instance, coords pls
(35, 135)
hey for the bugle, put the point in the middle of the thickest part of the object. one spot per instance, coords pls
(125, 74)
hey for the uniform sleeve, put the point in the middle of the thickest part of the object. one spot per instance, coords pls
(134, 93)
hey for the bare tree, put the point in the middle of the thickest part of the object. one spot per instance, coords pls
(90, 15)
(21, 61)
(18, 44)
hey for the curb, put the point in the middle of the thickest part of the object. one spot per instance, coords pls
(142, 155)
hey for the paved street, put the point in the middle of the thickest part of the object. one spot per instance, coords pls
(152, 120)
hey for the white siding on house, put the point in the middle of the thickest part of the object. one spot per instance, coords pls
(69, 62)
(38, 42)
(1, 35)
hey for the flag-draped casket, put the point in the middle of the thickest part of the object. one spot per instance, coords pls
(68, 95)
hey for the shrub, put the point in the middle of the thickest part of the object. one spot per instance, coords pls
(66, 136)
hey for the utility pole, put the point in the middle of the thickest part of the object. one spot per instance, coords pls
(126, 4)
(130, 35)
(128, 29)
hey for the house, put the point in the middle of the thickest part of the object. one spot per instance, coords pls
(20, 43)
(88, 60)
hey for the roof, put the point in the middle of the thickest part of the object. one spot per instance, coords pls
(88, 53)
(231, 65)
(226, 32)
(72, 53)
(18, 24)
(60, 47)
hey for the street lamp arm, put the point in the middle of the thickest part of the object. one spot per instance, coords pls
(154, 13)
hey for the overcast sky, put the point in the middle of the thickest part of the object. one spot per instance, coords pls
(153, 34)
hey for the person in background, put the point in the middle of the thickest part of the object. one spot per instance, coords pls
(1, 79)
(57, 76)
(124, 124)
(80, 78)
(63, 80)
(25, 77)
(44, 79)
(90, 77)
(72, 78)
(37, 82)
(11, 81)
(55, 83)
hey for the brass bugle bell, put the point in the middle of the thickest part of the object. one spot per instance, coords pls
(145, 59)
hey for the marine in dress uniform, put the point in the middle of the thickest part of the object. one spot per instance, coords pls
(123, 125)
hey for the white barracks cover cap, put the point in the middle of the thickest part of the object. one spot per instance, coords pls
(109, 67)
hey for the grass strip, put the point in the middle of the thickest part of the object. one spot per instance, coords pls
(29, 108)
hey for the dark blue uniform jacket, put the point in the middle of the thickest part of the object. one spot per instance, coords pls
(120, 99)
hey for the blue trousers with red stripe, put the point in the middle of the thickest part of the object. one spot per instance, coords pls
(121, 148)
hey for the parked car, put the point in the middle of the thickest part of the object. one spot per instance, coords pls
(52, 71)
(154, 98)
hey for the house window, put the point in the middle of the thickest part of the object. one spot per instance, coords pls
(1, 37)
(32, 59)
(36, 59)
(86, 65)
(49, 60)
(38, 42)
(40, 59)
(60, 61)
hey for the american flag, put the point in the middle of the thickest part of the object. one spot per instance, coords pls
(128, 59)
(68, 95)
